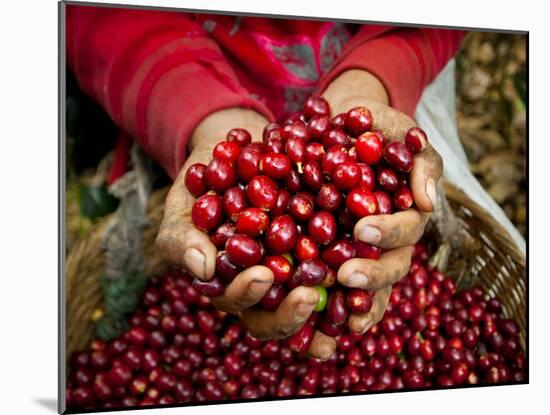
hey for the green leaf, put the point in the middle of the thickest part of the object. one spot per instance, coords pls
(96, 201)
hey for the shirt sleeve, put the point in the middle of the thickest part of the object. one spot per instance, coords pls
(156, 73)
(405, 60)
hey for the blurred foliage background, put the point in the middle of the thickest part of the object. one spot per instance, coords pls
(491, 88)
(491, 91)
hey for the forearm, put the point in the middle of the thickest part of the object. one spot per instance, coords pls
(352, 88)
(404, 61)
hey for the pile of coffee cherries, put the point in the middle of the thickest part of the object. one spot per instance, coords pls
(180, 349)
(291, 202)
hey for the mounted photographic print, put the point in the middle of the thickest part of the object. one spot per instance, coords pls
(269, 207)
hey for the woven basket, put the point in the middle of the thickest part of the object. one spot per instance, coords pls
(486, 256)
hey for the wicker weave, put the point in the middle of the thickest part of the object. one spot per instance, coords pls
(487, 257)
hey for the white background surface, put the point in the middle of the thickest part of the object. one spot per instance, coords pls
(28, 212)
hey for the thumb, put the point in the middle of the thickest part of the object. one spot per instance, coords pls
(426, 172)
(179, 241)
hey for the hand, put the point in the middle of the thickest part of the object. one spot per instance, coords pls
(398, 232)
(182, 244)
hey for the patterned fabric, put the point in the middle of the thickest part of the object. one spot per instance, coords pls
(300, 58)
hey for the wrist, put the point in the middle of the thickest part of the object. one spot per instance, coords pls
(353, 88)
(215, 126)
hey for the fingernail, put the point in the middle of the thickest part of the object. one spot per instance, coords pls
(370, 234)
(195, 262)
(357, 280)
(431, 192)
(303, 310)
(258, 287)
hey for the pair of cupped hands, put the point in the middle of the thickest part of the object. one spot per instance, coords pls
(184, 245)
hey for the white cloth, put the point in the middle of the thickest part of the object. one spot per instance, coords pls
(436, 114)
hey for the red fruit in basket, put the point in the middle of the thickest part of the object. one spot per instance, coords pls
(416, 140)
(137, 336)
(399, 156)
(403, 198)
(301, 206)
(207, 212)
(274, 145)
(427, 350)
(322, 228)
(271, 130)
(293, 182)
(300, 341)
(248, 163)
(316, 105)
(239, 136)
(225, 269)
(262, 192)
(281, 235)
(274, 296)
(79, 359)
(296, 131)
(388, 180)
(252, 222)
(359, 301)
(150, 360)
(337, 253)
(329, 198)
(346, 220)
(318, 126)
(120, 375)
(295, 149)
(337, 312)
(339, 120)
(509, 328)
(305, 249)
(280, 266)
(365, 250)
(220, 175)
(227, 150)
(369, 148)
(352, 153)
(367, 177)
(100, 359)
(281, 204)
(276, 166)
(459, 373)
(211, 288)
(312, 175)
(361, 202)
(335, 137)
(358, 120)
(314, 152)
(334, 156)
(234, 202)
(412, 379)
(243, 250)
(139, 385)
(222, 234)
(384, 203)
(83, 396)
(183, 390)
(331, 329)
(494, 306)
(194, 179)
(309, 273)
(83, 376)
(347, 176)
